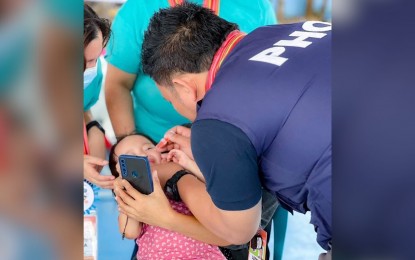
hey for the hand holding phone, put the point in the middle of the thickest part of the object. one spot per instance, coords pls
(136, 170)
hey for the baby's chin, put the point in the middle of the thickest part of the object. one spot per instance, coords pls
(152, 161)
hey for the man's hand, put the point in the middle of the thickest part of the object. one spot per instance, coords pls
(178, 138)
(153, 209)
(91, 166)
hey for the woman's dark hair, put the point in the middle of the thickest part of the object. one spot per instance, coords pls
(92, 24)
(112, 161)
(182, 39)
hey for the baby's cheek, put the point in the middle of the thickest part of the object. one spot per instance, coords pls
(117, 166)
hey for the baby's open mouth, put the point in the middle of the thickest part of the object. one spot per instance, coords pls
(151, 159)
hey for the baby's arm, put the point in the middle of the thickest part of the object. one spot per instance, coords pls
(193, 168)
(183, 160)
(132, 229)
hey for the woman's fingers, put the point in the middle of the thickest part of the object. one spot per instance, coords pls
(95, 160)
(124, 208)
(125, 197)
(156, 182)
(91, 174)
(103, 178)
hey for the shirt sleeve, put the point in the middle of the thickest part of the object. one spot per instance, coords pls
(228, 162)
(124, 46)
(269, 14)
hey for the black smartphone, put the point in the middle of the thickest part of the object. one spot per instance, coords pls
(136, 170)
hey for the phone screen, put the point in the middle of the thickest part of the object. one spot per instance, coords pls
(136, 170)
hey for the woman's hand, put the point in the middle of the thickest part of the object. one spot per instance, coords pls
(91, 166)
(178, 138)
(153, 209)
(118, 183)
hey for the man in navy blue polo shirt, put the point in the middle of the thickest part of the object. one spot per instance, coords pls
(261, 107)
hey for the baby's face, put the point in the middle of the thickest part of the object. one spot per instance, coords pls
(139, 146)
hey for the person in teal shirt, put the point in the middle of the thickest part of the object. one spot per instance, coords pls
(96, 35)
(144, 110)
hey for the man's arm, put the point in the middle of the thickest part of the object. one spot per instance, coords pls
(230, 203)
(118, 85)
(237, 227)
(229, 162)
(191, 226)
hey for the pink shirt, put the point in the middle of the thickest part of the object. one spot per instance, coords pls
(159, 243)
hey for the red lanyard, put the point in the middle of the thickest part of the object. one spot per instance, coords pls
(211, 4)
(231, 41)
(86, 146)
(4, 154)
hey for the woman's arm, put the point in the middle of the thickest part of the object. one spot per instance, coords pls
(130, 227)
(96, 139)
(133, 228)
(155, 209)
(118, 86)
(94, 162)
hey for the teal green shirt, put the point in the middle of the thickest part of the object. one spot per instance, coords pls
(91, 93)
(153, 115)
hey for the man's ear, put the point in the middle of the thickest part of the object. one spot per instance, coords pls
(185, 86)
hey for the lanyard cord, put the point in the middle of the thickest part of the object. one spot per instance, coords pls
(86, 146)
(231, 41)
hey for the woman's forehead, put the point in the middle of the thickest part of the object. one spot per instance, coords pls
(94, 48)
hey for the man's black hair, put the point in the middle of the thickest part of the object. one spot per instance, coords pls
(182, 39)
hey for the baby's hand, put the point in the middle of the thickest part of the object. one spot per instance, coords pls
(179, 157)
(164, 158)
(183, 160)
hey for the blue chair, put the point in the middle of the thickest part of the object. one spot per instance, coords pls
(280, 228)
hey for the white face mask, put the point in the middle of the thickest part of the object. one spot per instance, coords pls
(89, 75)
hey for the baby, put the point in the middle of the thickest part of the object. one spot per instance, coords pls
(155, 242)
